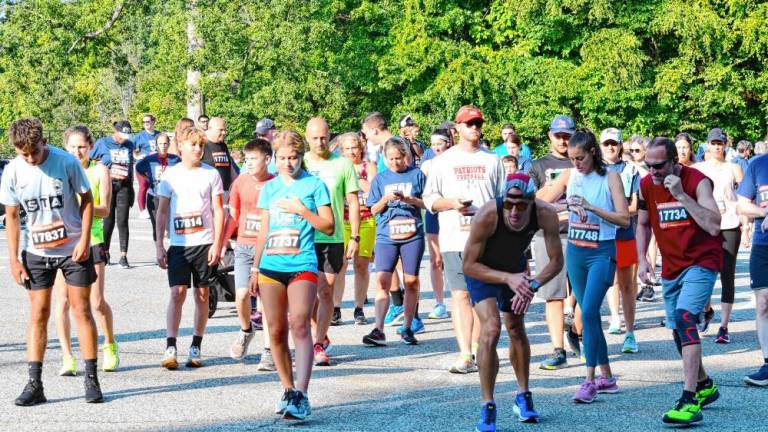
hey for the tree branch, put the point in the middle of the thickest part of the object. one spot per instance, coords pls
(96, 33)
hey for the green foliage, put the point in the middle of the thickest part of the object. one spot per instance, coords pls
(645, 66)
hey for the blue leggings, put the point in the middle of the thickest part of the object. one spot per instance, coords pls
(590, 272)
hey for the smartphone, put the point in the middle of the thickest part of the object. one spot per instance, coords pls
(398, 194)
(466, 202)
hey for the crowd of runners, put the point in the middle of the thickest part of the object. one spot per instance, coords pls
(588, 220)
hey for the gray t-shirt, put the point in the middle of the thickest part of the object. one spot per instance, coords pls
(49, 194)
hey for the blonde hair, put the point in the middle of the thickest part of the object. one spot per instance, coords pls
(192, 134)
(289, 138)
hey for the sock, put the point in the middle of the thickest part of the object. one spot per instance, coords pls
(170, 342)
(358, 311)
(90, 368)
(250, 328)
(689, 396)
(397, 297)
(35, 370)
(336, 309)
(197, 341)
(703, 384)
(560, 350)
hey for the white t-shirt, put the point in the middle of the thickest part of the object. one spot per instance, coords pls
(190, 214)
(477, 175)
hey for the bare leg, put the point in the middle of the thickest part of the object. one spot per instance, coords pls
(761, 309)
(324, 307)
(173, 314)
(80, 300)
(487, 356)
(274, 297)
(362, 280)
(411, 298)
(243, 306)
(61, 312)
(201, 310)
(37, 330)
(519, 349)
(628, 295)
(436, 268)
(301, 296)
(103, 312)
(340, 284)
(463, 320)
(554, 314)
(384, 281)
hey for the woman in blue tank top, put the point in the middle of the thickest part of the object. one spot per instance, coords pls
(597, 206)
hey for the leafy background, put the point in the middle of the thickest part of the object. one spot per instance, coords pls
(647, 67)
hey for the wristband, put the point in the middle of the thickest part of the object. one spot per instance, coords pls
(355, 238)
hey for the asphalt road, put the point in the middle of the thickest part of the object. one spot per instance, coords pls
(397, 388)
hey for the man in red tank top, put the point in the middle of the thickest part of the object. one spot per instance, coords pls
(677, 202)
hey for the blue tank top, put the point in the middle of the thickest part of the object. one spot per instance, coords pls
(594, 188)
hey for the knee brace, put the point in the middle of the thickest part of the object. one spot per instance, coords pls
(678, 345)
(685, 323)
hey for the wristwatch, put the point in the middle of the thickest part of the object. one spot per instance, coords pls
(355, 238)
(534, 284)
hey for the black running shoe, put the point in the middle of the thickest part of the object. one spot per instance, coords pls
(375, 338)
(93, 390)
(360, 317)
(408, 338)
(124, 262)
(32, 394)
(336, 318)
(573, 342)
(647, 294)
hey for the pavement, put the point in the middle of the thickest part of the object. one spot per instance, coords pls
(397, 388)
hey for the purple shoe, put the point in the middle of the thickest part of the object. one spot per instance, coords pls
(586, 393)
(606, 385)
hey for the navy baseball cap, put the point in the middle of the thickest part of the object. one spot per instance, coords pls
(562, 124)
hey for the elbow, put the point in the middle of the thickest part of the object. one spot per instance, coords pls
(328, 229)
(626, 220)
(468, 269)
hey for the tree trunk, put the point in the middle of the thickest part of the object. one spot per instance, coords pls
(195, 101)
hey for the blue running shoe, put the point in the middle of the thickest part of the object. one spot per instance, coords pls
(439, 312)
(759, 378)
(524, 408)
(417, 326)
(487, 421)
(394, 316)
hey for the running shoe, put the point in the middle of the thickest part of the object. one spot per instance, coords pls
(257, 318)
(759, 378)
(283, 402)
(375, 338)
(684, 413)
(615, 327)
(321, 358)
(68, 366)
(586, 392)
(266, 363)
(111, 357)
(463, 366)
(239, 348)
(336, 317)
(706, 393)
(439, 312)
(487, 421)
(555, 361)
(568, 318)
(194, 358)
(722, 336)
(169, 360)
(648, 293)
(32, 394)
(417, 325)
(394, 316)
(630, 344)
(298, 407)
(124, 262)
(408, 338)
(606, 385)
(360, 317)
(704, 324)
(574, 342)
(524, 409)
(93, 390)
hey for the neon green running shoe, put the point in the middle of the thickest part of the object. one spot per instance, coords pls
(684, 413)
(708, 394)
(68, 366)
(111, 357)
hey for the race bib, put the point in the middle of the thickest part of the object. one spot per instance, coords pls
(252, 225)
(673, 215)
(283, 242)
(48, 236)
(762, 196)
(402, 229)
(188, 223)
(584, 234)
(465, 222)
(118, 171)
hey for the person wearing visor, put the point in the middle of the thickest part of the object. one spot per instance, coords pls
(116, 152)
(409, 130)
(495, 271)
(678, 204)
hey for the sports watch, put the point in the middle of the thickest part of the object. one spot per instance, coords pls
(534, 284)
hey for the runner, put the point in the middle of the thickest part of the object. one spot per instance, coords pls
(725, 176)
(217, 153)
(684, 145)
(152, 168)
(440, 141)
(395, 199)
(116, 152)
(294, 205)
(544, 172)
(495, 265)
(753, 202)
(53, 189)
(596, 206)
(190, 197)
(353, 148)
(677, 202)
(461, 180)
(625, 284)
(339, 177)
(145, 143)
(79, 142)
(243, 207)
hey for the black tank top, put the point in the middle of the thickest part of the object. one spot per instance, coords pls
(505, 250)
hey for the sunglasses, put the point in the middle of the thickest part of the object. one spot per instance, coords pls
(474, 123)
(611, 144)
(519, 205)
(657, 166)
(635, 150)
